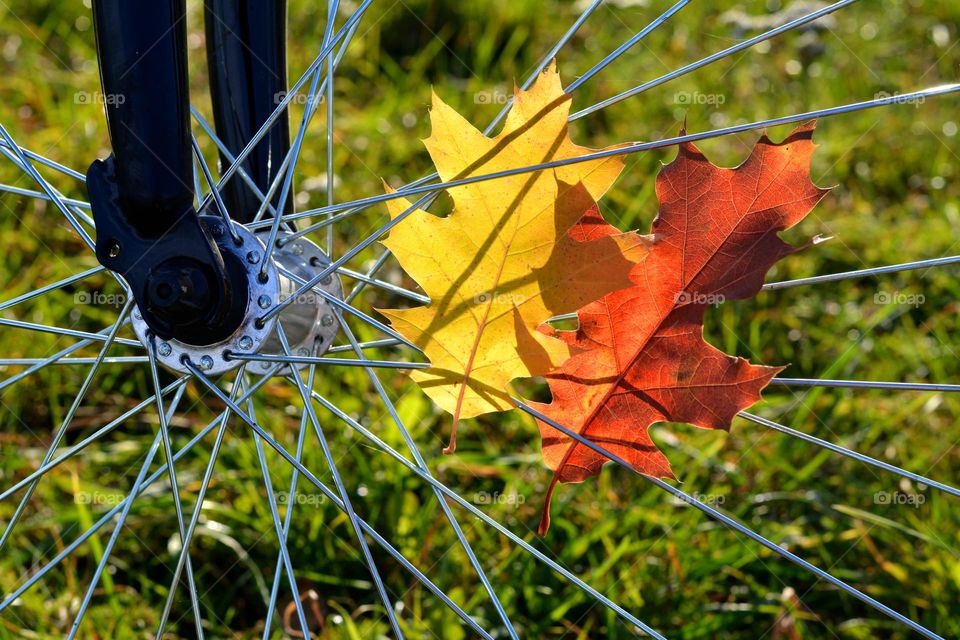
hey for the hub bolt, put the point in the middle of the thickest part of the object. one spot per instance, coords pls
(164, 349)
(206, 363)
(245, 343)
(253, 257)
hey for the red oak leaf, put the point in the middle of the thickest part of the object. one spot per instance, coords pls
(639, 355)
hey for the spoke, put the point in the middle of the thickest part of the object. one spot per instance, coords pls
(65, 424)
(344, 495)
(287, 172)
(377, 265)
(54, 196)
(338, 482)
(68, 551)
(740, 46)
(55, 358)
(22, 362)
(331, 18)
(195, 516)
(8, 145)
(599, 155)
(49, 190)
(865, 384)
(386, 286)
(456, 497)
(108, 550)
(278, 527)
(623, 48)
(418, 458)
(272, 118)
(62, 331)
(222, 148)
(386, 364)
(113, 538)
(733, 524)
(373, 344)
(288, 517)
(174, 485)
(42, 196)
(99, 433)
(221, 207)
(337, 302)
(258, 224)
(51, 287)
(860, 273)
(850, 454)
(499, 118)
(636, 147)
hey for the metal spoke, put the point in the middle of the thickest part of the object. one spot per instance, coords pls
(740, 46)
(418, 458)
(49, 190)
(344, 494)
(65, 424)
(848, 453)
(733, 524)
(108, 549)
(174, 485)
(69, 549)
(373, 344)
(861, 273)
(331, 18)
(176, 385)
(22, 362)
(222, 148)
(386, 286)
(456, 497)
(387, 364)
(195, 516)
(47, 162)
(636, 147)
(307, 474)
(42, 196)
(278, 527)
(217, 197)
(377, 265)
(288, 516)
(340, 304)
(63, 331)
(865, 384)
(51, 287)
(272, 118)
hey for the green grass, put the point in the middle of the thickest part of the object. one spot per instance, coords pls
(895, 200)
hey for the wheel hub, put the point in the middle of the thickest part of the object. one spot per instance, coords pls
(309, 322)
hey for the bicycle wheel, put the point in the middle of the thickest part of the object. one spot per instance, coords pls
(308, 497)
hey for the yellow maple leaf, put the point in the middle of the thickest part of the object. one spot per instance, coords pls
(503, 261)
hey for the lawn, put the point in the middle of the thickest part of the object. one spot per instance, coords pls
(895, 171)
